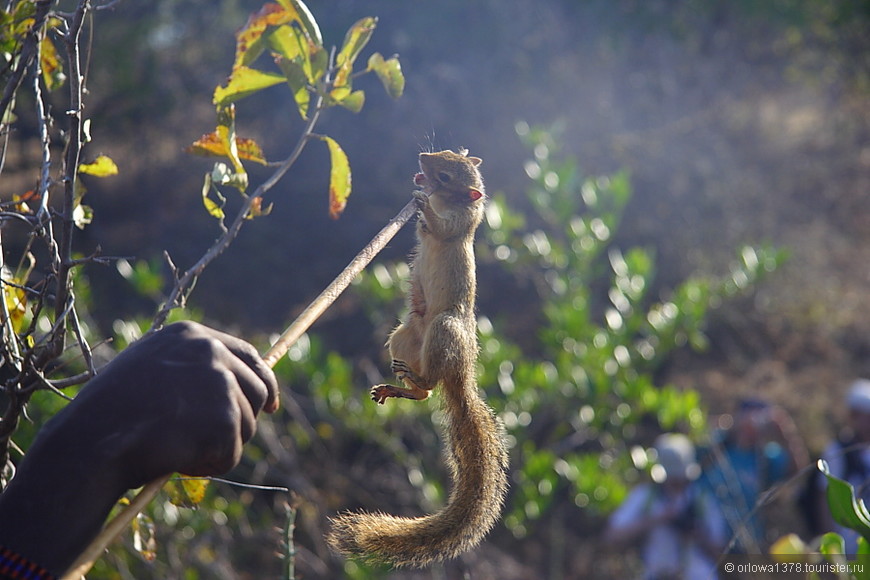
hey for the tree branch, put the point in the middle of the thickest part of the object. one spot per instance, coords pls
(185, 283)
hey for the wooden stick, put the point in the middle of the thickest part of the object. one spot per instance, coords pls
(317, 307)
(299, 326)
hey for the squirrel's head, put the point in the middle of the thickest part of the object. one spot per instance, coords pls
(454, 173)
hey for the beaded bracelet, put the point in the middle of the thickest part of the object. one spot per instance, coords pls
(15, 567)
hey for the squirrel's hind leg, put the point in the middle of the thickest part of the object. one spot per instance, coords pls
(417, 387)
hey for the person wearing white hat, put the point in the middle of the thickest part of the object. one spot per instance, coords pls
(679, 526)
(848, 458)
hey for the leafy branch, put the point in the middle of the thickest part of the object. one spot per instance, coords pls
(291, 36)
(26, 355)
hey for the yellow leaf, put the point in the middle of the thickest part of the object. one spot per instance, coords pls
(103, 166)
(194, 489)
(16, 304)
(244, 81)
(339, 178)
(185, 491)
(788, 547)
(52, 70)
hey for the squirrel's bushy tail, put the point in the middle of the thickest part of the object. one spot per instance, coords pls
(478, 462)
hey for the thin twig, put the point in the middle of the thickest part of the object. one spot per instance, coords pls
(73, 151)
(29, 50)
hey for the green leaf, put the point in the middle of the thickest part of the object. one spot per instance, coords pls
(832, 543)
(354, 41)
(354, 102)
(390, 73)
(339, 178)
(243, 82)
(295, 75)
(846, 509)
(102, 166)
(305, 18)
(288, 42)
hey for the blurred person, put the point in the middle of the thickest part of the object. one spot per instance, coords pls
(677, 522)
(760, 449)
(848, 458)
(184, 399)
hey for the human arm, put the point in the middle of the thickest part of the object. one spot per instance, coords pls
(635, 517)
(183, 399)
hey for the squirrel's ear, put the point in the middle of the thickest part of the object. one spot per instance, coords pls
(474, 194)
(475, 161)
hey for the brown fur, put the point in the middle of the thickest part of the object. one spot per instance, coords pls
(436, 344)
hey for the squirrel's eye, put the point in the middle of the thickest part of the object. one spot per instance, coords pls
(443, 177)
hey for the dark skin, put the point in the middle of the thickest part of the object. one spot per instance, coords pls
(184, 399)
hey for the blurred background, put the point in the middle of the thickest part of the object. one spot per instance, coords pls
(741, 130)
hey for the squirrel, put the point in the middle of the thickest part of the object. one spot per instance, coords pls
(436, 344)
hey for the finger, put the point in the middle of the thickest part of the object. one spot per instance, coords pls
(251, 358)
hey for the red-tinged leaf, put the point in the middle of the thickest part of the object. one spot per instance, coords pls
(212, 145)
(250, 150)
(243, 82)
(390, 73)
(257, 209)
(208, 144)
(339, 178)
(21, 200)
(249, 40)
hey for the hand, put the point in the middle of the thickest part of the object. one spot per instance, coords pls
(183, 399)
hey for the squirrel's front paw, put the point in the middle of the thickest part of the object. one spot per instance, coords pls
(421, 199)
(400, 368)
